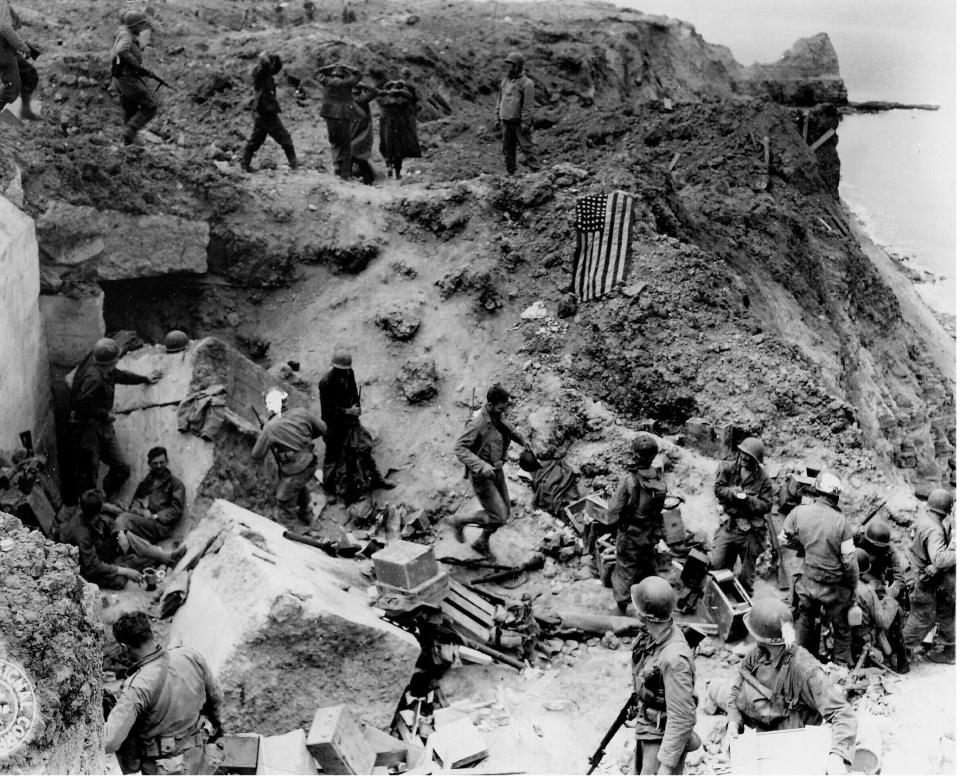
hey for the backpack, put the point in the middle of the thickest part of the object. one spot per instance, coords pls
(554, 486)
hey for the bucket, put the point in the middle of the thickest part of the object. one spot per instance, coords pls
(867, 753)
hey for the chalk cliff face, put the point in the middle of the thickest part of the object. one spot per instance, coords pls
(809, 73)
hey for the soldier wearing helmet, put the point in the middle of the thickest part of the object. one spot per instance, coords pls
(663, 681)
(881, 622)
(636, 511)
(782, 686)
(886, 562)
(91, 418)
(745, 493)
(933, 557)
(829, 576)
(290, 433)
(126, 68)
(349, 469)
(482, 448)
(515, 114)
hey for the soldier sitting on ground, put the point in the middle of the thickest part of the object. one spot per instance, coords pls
(110, 557)
(158, 501)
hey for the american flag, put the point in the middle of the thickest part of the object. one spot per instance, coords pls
(603, 238)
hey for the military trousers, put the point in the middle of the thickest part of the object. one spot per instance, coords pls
(929, 608)
(145, 526)
(728, 544)
(646, 762)
(196, 760)
(18, 78)
(340, 135)
(517, 134)
(138, 104)
(495, 499)
(293, 497)
(829, 602)
(95, 443)
(268, 125)
(636, 559)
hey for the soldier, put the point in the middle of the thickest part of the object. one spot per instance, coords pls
(362, 144)
(829, 576)
(91, 403)
(349, 468)
(933, 556)
(880, 624)
(126, 67)
(18, 78)
(781, 686)
(166, 703)
(266, 113)
(745, 493)
(158, 501)
(340, 112)
(483, 449)
(289, 434)
(886, 562)
(109, 557)
(636, 510)
(515, 114)
(663, 681)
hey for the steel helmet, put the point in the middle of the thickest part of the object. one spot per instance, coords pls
(826, 483)
(654, 598)
(752, 447)
(106, 351)
(940, 501)
(175, 341)
(514, 58)
(342, 359)
(863, 560)
(528, 461)
(770, 622)
(133, 19)
(644, 448)
(878, 533)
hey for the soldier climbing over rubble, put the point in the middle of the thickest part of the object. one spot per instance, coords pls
(18, 78)
(745, 493)
(483, 449)
(126, 67)
(109, 557)
(782, 686)
(91, 418)
(289, 434)
(266, 113)
(636, 511)
(664, 678)
(933, 556)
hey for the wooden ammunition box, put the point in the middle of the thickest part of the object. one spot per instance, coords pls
(431, 591)
(587, 509)
(240, 755)
(338, 744)
(405, 565)
(726, 604)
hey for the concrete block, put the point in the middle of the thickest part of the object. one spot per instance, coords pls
(122, 245)
(405, 565)
(337, 646)
(72, 325)
(338, 744)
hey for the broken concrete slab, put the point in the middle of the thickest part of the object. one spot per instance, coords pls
(122, 245)
(72, 325)
(283, 637)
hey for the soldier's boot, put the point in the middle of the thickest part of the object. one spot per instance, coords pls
(943, 655)
(292, 160)
(482, 544)
(128, 135)
(26, 110)
(458, 523)
(245, 161)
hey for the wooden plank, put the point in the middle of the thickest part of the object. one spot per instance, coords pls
(477, 600)
(822, 139)
(463, 624)
(673, 162)
(469, 606)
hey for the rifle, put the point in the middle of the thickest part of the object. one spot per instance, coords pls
(618, 722)
(876, 509)
(276, 456)
(144, 73)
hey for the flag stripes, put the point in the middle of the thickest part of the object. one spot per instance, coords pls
(603, 240)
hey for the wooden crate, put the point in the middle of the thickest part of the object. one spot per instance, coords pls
(240, 755)
(431, 591)
(469, 614)
(674, 530)
(726, 603)
(582, 512)
(405, 565)
(338, 744)
(786, 752)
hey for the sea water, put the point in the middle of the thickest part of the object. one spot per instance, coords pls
(898, 167)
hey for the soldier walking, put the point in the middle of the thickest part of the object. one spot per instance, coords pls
(636, 510)
(266, 113)
(126, 57)
(18, 78)
(745, 493)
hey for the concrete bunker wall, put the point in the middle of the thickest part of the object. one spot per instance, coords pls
(24, 384)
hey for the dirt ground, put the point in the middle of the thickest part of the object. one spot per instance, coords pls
(751, 300)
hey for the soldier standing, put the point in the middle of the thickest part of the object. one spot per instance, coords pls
(782, 686)
(636, 509)
(91, 403)
(266, 112)
(829, 576)
(126, 58)
(515, 114)
(745, 493)
(18, 78)
(289, 434)
(933, 554)
(340, 112)
(663, 681)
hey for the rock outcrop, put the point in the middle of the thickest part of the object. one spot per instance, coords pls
(50, 626)
(287, 629)
(807, 74)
